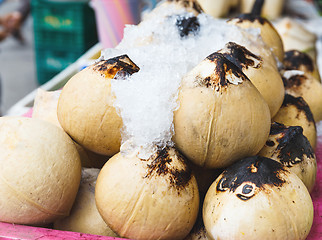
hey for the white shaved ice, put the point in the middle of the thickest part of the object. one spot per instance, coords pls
(146, 100)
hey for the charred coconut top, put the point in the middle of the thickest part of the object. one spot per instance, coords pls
(121, 66)
(300, 104)
(295, 60)
(294, 81)
(189, 4)
(224, 73)
(241, 56)
(249, 175)
(161, 164)
(292, 144)
(187, 25)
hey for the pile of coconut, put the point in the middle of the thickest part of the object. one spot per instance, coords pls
(191, 128)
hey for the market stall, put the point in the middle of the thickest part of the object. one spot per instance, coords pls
(194, 124)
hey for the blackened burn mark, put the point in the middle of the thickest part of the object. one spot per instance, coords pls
(257, 7)
(240, 56)
(161, 166)
(255, 171)
(270, 143)
(295, 60)
(121, 66)
(249, 17)
(248, 192)
(187, 26)
(276, 128)
(223, 68)
(292, 144)
(300, 104)
(294, 81)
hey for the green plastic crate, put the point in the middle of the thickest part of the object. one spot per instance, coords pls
(63, 31)
(64, 24)
(62, 15)
(62, 41)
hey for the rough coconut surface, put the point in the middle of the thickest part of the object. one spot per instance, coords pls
(40, 171)
(284, 208)
(157, 199)
(86, 113)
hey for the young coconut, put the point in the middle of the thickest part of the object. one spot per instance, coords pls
(296, 37)
(263, 75)
(217, 111)
(45, 108)
(258, 198)
(257, 46)
(299, 84)
(288, 145)
(85, 107)
(154, 198)
(84, 216)
(40, 171)
(296, 112)
(297, 60)
(267, 31)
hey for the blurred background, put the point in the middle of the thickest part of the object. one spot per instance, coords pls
(58, 32)
(17, 61)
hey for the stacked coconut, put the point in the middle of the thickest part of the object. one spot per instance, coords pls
(193, 128)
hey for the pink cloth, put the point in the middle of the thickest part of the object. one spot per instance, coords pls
(28, 113)
(12, 231)
(316, 230)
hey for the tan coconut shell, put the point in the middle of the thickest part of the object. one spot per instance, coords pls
(255, 44)
(262, 74)
(296, 37)
(85, 107)
(217, 8)
(268, 32)
(155, 198)
(288, 145)
(303, 85)
(45, 108)
(84, 216)
(296, 112)
(258, 198)
(219, 109)
(40, 171)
